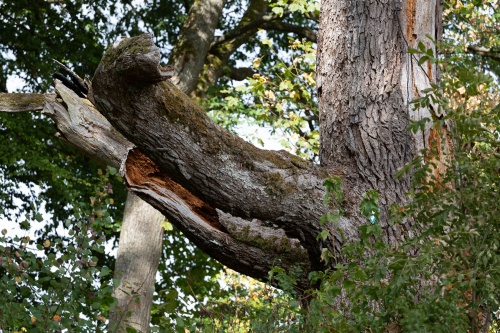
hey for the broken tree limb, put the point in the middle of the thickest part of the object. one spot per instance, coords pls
(251, 209)
(20, 102)
(230, 175)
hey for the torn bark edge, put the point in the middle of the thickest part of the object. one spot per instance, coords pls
(231, 240)
(123, 165)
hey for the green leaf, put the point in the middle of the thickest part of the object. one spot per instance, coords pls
(324, 234)
(294, 7)
(112, 171)
(326, 255)
(348, 284)
(423, 59)
(285, 85)
(421, 47)
(104, 271)
(180, 322)
(278, 11)
(359, 274)
(267, 42)
(167, 226)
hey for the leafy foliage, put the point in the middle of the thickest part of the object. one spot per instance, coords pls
(280, 96)
(34, 32)
(59, 281)
(37, 160)
(472, 24)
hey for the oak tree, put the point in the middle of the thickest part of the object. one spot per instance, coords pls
(253, 209)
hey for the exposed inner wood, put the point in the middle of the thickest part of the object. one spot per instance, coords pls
(142, 171)
(410, 14)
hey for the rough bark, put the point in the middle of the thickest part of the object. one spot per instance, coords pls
(365, 82)
(21, 102)
(139, 252)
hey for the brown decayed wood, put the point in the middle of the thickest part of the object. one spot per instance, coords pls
(411, 8)
(440, 151)
(140, 170)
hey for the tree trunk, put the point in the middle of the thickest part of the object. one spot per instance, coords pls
(139, 252)
(365, 80)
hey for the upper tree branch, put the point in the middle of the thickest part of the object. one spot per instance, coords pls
(223, 47)
(302, 32)
(484, 52)
(254, 20)
(241, 73)
(197, 33)
(255, 17)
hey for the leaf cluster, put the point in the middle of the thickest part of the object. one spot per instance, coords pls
(472, 25)
(60, 281)
(280, 96)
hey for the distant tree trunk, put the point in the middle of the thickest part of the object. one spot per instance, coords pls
(139, 251)
(188, 58)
